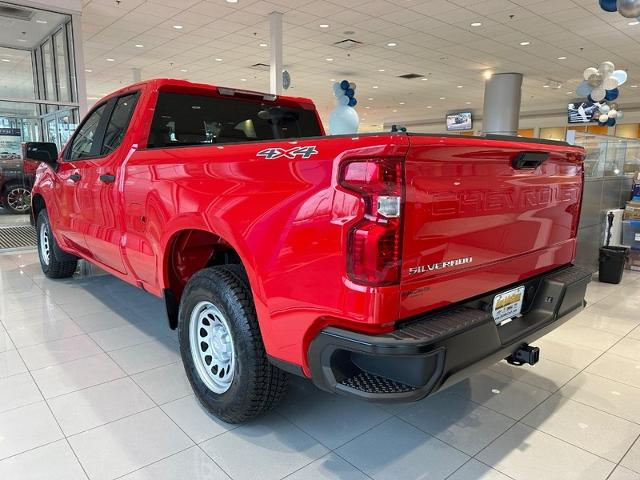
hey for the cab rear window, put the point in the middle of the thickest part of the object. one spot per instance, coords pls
(183, 120)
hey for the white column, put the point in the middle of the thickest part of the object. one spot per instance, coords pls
(275, 46)
(78, 54)
(501, 111)
(136, 74)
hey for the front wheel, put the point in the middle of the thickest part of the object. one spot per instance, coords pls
(51, 266)
(16, 198)
(222, 348)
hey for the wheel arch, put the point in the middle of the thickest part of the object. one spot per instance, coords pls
(186, 252)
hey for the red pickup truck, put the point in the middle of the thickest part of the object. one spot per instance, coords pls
(382, 266)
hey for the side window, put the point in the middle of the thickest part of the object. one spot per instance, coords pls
(83, 141)
(118, 123)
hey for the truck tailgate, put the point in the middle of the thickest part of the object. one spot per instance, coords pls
(476, 220)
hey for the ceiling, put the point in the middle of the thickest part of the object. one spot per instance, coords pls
(27, 33)
(219, 41)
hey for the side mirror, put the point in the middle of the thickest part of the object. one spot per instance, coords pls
(41, 152)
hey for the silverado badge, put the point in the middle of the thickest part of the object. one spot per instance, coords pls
(440, 265)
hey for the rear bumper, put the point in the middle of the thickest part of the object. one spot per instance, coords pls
(435, 351)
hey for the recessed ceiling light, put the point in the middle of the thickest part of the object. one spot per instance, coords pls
(428, 106)
(487, 74)
(634, 86)
(381, 69)
(401, 103)
(476, 24)
(21, 40)
(370, 98)
(634, 22)
(545, 86)
(395, 111)
(139, 45)
(424, 79)
(367, 107)
(218, 59)
(178, 27)
(329, 59)
(459, 86)
(524, 44)
(110, 60)
(88, 70)
(468, 103)
(232, 1)
(562, 58)
(392, 44)
(332, 79)
(243, 79)
(569, 93)
(442, 98)
(6, 60)
(375, 86)
(263, 45)
(324, 25)
(184, 70)
(41, 21)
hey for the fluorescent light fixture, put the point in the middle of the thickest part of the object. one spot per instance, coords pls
(329, 59)
(443, 98)
(428, 106)
(375, 86)
(111, 60)
(401, 103)
(392, 44)
(381, 69)
(88, 70)
(524, 44)
(263, 45)
(467, 103)
(395, 111)
(459, 86)
(562, 58)
(42, 22)
(6, 60)
(324, 25)
(178, 27)
(243, 79)
(424, 79)
(184, 70)
(476, 24)
(218, 59)
(139, 45)
(370, 98)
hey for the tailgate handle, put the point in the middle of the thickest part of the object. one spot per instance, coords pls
(529, 160)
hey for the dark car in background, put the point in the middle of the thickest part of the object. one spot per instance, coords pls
(16, 180)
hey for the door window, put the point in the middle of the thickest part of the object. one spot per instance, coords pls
(83, 143)
(118, 123)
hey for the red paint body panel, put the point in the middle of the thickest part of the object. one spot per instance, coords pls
(288, 219)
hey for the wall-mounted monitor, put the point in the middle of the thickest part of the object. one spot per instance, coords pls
(459, 121)
(581, 112)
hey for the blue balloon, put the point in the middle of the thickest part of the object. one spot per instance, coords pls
(611, 122)
(611, 94)
(349, 92)
(352, 102)
(344, 84)
(584, 89)
(343, 120)
(609, 5)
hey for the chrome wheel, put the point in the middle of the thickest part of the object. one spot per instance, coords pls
(45, 245)
(19, 199)
(212, 346)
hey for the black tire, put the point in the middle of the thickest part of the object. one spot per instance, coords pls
(24, 207)
(55, 267)
(256, 385)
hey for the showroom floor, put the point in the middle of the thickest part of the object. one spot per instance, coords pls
(91, 385)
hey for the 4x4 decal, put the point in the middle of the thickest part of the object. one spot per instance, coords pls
(272, 153)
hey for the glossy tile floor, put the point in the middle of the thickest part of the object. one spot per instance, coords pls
(91, 386)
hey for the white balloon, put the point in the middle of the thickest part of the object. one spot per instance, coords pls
(598, 94)
(337, 91)
(343, 100)
(588, 72)
(603, 118)
(613, 114)
(343, 120)
(604, 108)
(610, 82)
(620, 114)
(620, 75)
(606, 68)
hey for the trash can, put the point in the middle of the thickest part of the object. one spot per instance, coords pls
(612, 261)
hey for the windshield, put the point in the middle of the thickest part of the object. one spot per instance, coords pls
(183, 119)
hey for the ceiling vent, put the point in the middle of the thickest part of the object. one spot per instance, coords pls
(8, 11)
(347, 44)
(260, 66)
(410, 76)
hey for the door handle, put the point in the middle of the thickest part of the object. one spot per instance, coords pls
(107, 178)
(75, 177)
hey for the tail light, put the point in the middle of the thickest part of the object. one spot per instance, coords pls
(374, 244)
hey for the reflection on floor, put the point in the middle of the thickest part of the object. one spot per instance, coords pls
(91, 385)
(9, 219)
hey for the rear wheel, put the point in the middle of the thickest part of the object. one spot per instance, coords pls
(222, 348)
(16, 198)
(51, 266)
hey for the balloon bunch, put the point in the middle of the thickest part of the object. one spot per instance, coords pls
(600, 85)
(626, 8)
(344, 118)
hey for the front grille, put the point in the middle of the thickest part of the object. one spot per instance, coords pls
(17, 237)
